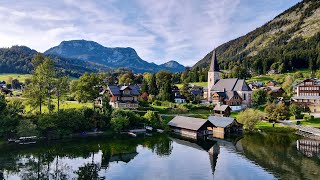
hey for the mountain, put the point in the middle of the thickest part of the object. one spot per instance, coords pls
(17, 59)
(289, 41)
(111, 57)
(174, 65)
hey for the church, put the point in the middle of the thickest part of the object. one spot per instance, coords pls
(232, 91)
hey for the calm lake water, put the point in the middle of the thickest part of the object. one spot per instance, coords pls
(160, 156)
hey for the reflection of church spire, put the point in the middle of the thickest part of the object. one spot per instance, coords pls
(213, 156)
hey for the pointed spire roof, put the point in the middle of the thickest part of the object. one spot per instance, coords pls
(214, 62)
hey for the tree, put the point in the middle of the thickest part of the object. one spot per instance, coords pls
(165, 92)
(269, 109)
(61, 88)
(296, 111)
(259, 97)
(152, 118)
(185, 91)
(144, 86)
(42, 84)
(127, 78)
(26, 128)
(16, 84)
(277, 111)
(282, 112)
(37, 60)
(87, 87)
(153, 90)
(249, 118)
(119, 123)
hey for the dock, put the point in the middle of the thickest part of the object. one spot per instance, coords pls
(305, 131)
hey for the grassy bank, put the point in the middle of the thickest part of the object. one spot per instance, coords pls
(202, 84)
(314, 123)
(266, 126)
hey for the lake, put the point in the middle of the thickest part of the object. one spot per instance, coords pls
(162, 156)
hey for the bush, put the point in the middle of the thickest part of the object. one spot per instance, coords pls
(26, 128)
(64, 122)
(152, 118)
(156, 103)
(306, 118)
(249, 118)
(298, 123)
(311, 117)
(120, 123)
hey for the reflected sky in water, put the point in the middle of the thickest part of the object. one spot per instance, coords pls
(156, 157)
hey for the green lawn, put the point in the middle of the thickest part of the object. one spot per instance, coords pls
(314, 123)
(266, 126)
(20, 77)
(63, 105)
(202, 84)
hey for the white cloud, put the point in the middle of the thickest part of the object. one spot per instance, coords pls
(158, 30)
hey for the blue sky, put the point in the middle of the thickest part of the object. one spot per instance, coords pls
(159, 30)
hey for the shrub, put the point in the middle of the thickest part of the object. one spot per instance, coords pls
(152, 118)
(120, 123)
(26, 128)
(156, 103)
(249, 118)
(298, 122)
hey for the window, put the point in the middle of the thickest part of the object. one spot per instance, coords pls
(244, 96)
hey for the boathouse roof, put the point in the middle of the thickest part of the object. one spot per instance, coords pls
(221, 121)
(187, 122)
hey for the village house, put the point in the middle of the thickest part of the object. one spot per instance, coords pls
(275, 91)
(123, 96)
(190, 127)
(256, 85)
(225, 126)
(307, 93)
(233, 91)
(222, 111)
(272, 83)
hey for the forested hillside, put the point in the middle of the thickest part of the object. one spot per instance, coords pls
(290, 41)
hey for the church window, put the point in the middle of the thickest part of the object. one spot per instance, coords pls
(244, 96)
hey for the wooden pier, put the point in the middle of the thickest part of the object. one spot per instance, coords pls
(305, 131)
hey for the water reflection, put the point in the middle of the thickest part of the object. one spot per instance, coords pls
(309, 147)
(254, 156)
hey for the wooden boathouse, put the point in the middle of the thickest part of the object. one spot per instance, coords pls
(191, 127)
(225, 125)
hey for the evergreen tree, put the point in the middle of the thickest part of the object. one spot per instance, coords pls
(144, 86)
(153, 90)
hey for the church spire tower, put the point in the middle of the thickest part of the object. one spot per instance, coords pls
(213, 74)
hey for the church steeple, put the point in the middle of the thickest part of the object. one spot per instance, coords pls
(213, 74)
(214, 63)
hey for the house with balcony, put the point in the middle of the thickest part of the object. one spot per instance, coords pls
(123, 96)
(307, 93)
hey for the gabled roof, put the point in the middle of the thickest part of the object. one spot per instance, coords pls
(221, 108)
(116, 89)
(187, 122)
(232, 84)
(214, 63)
(221, 121)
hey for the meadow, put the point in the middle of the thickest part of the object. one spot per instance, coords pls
(20, 77)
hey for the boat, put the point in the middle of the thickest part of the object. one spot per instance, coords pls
(149, 128)
(160, 130)
(132, 134)
(27, 140)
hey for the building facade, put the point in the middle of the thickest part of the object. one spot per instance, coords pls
(122, 96)
(233, 91)
(307, 93)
